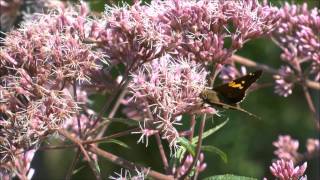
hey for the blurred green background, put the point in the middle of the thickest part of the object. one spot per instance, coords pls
(247, 142)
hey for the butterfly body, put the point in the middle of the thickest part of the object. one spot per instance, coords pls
(229, 95)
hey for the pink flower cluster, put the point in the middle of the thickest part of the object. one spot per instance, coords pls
(285, 170)
(313, 146)
(21, 166)
(191, 30)
(11, 10)
(126, 174)
(196, 30)
(298, 32)
(199, 167)
(85, 117)
(228, 73)
(168, 87)
(288, 156)
(284, 81)
(39, 64)
(287, 148)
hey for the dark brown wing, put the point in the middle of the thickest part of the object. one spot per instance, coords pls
(234, 91)
(211, 97)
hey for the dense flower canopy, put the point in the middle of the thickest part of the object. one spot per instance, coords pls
(154, 60)
(38, 63)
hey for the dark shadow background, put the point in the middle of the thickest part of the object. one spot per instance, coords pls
(247, 142)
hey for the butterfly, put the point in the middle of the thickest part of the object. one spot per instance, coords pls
(229, 95)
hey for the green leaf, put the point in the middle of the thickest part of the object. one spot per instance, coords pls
(229, 177)
(180, 153)
(217, 151)
(209, 132)
(186, 144)
(115, 141)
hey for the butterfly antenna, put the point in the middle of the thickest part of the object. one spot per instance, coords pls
(249, 113)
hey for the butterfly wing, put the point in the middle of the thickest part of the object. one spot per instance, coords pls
(234, 91)
(211, 97)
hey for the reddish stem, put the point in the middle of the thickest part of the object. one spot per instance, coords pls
(311, 107)
(127, 164)
(198, 150)
(162, 154)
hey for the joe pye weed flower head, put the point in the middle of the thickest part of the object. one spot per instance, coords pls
(297, 34)
(196, 30)
(39, 63)
(168, 88)
(285, 170)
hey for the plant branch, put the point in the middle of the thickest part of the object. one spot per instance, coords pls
(119, 134)
(311, 107)
(76, 141)
(162, 154)
(109, 101)
(73, 164)
(192, 125)
(161, 150)
(307, 156)
(65, 146)
(84, 152)
(76, 100)
(57, 147)
(308, 97)
(212, 77)
(114, 108)
(189, 133)
(249, 63)
(127, 164)
(198, 150)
